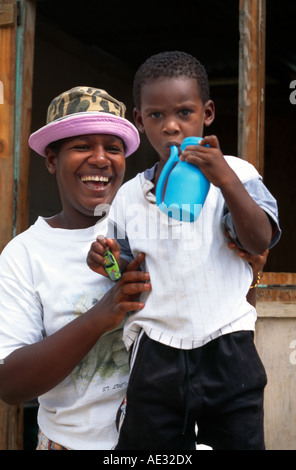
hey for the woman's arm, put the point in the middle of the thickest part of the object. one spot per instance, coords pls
(34, 369)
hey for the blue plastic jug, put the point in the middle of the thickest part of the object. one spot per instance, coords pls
(186, 186)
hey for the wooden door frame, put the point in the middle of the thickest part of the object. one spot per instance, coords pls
(251, 116)
(17, 27)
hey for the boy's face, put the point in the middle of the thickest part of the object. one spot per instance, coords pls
(89, 171)
(171, 109)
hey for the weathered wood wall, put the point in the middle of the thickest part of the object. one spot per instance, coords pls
(17, 24)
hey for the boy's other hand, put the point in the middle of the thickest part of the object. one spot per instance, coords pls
(98, 249)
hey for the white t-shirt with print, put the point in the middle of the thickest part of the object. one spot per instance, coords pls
(45, 283)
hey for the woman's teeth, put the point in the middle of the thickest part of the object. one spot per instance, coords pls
(103, 179)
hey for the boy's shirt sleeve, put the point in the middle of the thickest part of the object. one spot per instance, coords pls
(261, 195)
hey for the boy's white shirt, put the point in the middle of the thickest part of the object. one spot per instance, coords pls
(199, 285)
(44, 284)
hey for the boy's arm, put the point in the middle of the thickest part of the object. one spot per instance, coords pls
(252, 225)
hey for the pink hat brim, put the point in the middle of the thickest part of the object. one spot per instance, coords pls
(82, 124)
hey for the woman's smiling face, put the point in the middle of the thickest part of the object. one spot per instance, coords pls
(89, 171)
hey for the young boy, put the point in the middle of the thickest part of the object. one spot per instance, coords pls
(194, 360)
(61, 326)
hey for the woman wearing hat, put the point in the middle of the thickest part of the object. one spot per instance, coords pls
(61, 324)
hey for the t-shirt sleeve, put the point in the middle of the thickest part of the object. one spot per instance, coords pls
(261, 195)
(20, 308)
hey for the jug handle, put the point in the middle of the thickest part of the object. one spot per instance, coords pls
(174, 158)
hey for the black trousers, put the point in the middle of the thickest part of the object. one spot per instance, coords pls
(219, 387)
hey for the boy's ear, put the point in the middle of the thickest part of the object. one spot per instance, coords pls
(209, 112)
(51, 160)
(138, 120)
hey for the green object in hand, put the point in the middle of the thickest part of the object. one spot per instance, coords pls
(111, 266)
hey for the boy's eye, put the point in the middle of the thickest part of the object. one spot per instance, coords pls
(185, 112)
(155, 115)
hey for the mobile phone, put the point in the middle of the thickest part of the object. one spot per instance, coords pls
(111, 267)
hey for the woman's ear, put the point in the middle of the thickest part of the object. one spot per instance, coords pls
(138, 120)
(51, 160)
(209, 112)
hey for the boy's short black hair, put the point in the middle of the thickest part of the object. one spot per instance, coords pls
(172, 64)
